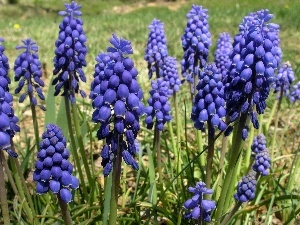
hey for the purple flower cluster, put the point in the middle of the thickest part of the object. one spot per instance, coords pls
(222, 54)
(255, 57)
(53, 171)
(159, 106)
(196, 41)
(70, 53)
(259, 144)
(284, 79)
(295, 93)
(116, 97)
(156, 50)
(170, 74)
(209, 101)
(199, 207)
(8, 121)
(262, 162)
(28, 71)
(246, 188)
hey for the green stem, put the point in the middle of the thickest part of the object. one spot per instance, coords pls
(233, 160)
(74, 149)
(233, 211)
(272, 156)
(158, 152)
(35, 123)
(3, 198)
(266, 126)
(200, 149)
(124, 184)
(9, 176)
(64, 211)
(178, 128)
(116, 175)
(177, 159)
(80, 142)
(248, 152)
(209, 158)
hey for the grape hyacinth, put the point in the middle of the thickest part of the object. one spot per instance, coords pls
(199, 207)
(116, 97)
(209, 101)
(159, 106)
(196, 41)
(70, 53)
(53, 171)
(8, 121)
(295, 93)
(28, 71)
(156, 50)
(170, 74)
(284, 78)
(258, 144)
(252, 71)
(246, 188)
(222, 54)
(262, 162)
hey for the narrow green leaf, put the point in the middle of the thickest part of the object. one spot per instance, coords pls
(107, 194)
(152, 191)
(61, 119)
(50, 114)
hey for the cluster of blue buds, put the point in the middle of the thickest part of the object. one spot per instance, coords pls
(259, 144)
(295, 93)
(254, 59)
(53, 171)
(116, 97)
(262, 162)
(223, 52)
(28, 71)
(8, 121)
(70, 53)
(170, 74)
(284, 78)
(199, 207)
(156, 50)
(247, 187)
(159, 106)
(196, 41)
(209, 104)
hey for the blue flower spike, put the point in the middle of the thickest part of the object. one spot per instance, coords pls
(170, 75)
(246, 187)
(284, 79)
(8, 120)
(28, 71)
(70, 53)
(116, 97)
(53, 171)
(197, 206)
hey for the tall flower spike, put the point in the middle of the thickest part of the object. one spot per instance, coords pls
(116, 97)
(196, 41)
(8, 120)
(284, 78)
(246, 188)
(53, 171)
(222, 54)
(258, 144)
(253, 63)
(70, 53)
(170, 74)
(199, 207)
(209, 101)
(295, 93)
(159, 108)
(156, 50)
(28, 71)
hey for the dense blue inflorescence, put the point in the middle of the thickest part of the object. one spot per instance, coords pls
(8, 120)
(156, 50)
(209, 101)
(196, 41)
(246, 188)
(284, 79)
(116, 97)
(199, 208)
(170, 74)
(295, 93)
(70, 53)
(159, 108)
(28, 71)
(262, 162)
(255, 56)
(259, 144)
(53, 171)
(222, 54)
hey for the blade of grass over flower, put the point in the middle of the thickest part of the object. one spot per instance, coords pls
(50, 114)
(61, 118)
